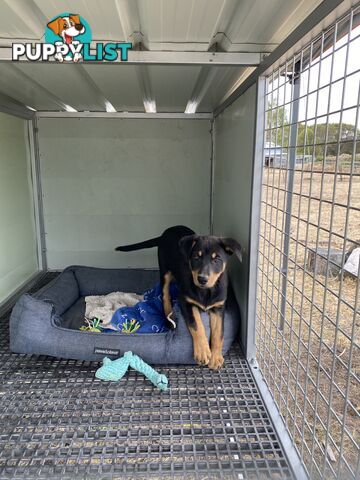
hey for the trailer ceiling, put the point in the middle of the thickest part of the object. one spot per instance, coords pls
(163, 30)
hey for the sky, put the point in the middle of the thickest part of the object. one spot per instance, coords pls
(333, 74)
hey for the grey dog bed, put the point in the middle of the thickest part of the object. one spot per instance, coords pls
(47, 323)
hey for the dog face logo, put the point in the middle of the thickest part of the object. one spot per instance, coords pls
(67, 27)
(70, 31)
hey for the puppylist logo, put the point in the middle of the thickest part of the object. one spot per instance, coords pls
(68, 38)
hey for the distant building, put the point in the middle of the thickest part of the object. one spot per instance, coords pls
(277, 156)
(274, 155)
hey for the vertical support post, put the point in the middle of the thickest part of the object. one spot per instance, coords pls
(37, 193)
(212, 174)
(257, 171)
(294, 78)
(258, 166)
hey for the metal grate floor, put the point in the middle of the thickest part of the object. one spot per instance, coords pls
(58, 422)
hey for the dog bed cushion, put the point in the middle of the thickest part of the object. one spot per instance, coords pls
(48, 322)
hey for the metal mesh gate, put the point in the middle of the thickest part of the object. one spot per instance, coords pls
(308, 305)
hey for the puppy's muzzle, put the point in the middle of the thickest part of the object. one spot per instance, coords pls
(202, 279)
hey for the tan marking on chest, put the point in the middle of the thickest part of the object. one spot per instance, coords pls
(202, 307)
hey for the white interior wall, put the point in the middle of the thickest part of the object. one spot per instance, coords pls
(234, 142)
(108, 182)
(18, 252)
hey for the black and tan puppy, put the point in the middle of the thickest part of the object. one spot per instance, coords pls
(198, 265)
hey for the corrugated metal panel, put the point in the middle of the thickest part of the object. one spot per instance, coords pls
(66, 82)
(119, 84)
(171, 25)
(172, 86)
(223, 81)
(188, 21)
(29, 93)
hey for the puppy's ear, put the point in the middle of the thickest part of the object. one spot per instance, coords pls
(55, 25)
(75, 18)
(231, 246)
(186, 244)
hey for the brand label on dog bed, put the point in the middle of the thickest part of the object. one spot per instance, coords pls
(106, 351)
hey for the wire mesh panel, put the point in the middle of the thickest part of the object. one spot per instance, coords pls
(308, 300)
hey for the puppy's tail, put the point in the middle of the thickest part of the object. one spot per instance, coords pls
(152, 242)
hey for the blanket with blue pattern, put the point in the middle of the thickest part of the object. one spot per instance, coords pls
(146, 316)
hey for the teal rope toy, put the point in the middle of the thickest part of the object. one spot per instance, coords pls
(114, 370)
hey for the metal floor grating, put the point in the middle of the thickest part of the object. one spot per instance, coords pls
(58, 422)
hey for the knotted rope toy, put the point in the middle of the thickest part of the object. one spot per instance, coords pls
(114, 370)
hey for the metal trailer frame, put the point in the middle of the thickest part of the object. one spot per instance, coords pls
(265, 425)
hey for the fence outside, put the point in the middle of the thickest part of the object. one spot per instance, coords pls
(308, 300)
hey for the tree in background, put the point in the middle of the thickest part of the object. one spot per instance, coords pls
(279, 135)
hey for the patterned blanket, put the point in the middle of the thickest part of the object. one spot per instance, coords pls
(137, 314)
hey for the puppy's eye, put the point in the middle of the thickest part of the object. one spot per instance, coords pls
(215, 258)
(72, 23)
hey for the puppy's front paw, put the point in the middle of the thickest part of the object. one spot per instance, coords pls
(202, 353)
(216, 361)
